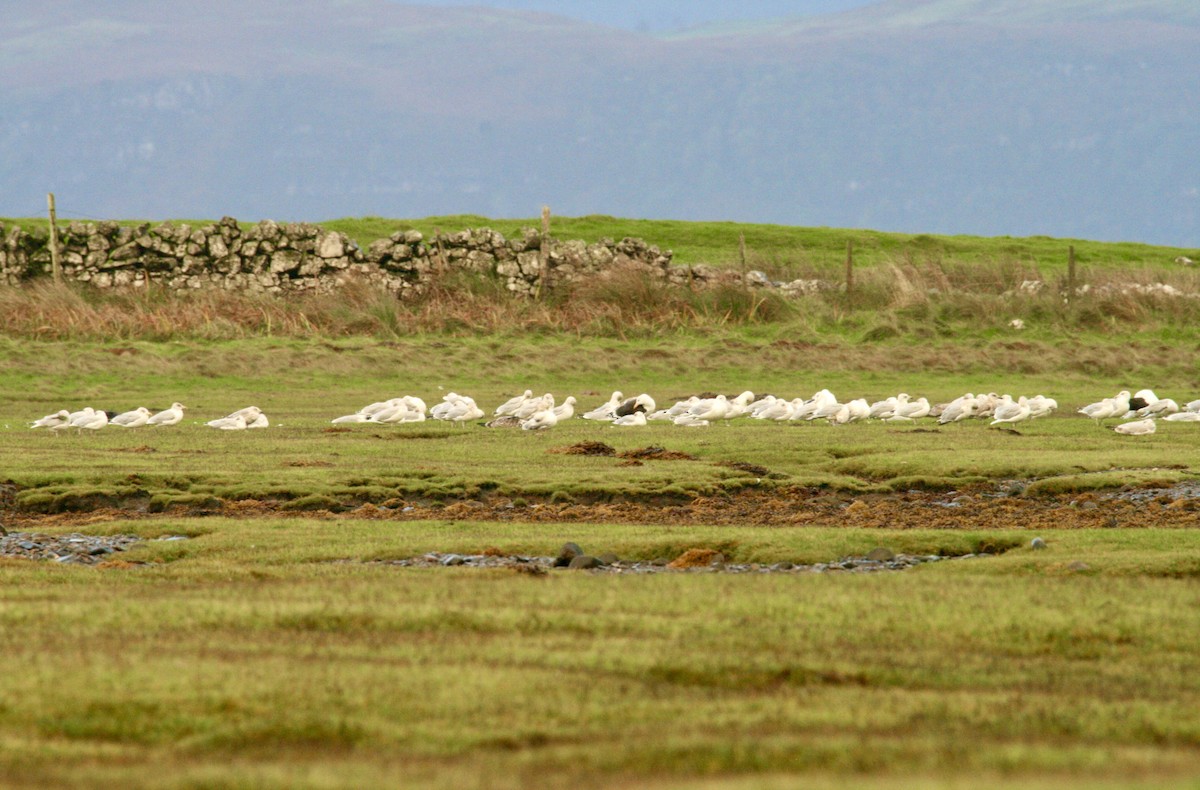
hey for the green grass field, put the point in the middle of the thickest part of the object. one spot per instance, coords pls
(277, 648)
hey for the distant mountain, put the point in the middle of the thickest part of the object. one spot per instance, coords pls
(1073, 118)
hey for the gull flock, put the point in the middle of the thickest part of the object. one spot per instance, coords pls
(1138, 411)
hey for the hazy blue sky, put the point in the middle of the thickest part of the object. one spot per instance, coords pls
(665, 15)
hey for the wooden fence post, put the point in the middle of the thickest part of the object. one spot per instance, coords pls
(849, 267)
(55, 264)
(1070, 273)
(543, 252)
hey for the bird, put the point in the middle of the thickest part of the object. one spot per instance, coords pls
(634, 419)
(642, 403)
(674, 411)
(712, 409)
(358, 416)
(533, 405)
(132, 419)
(606, 410)
(260, 421)
(777, 411)
(1040, 406)
(1160, 407)
(912, 410)
(1183, 416)
(60, 417)
(740, 405)
(1010, 412)
(93, 422)
(567, 410)
(958, 409)
(1138, 428)
(855, 410)
(235, 422)
(1108, 407)
(540, 421)
(171, 416)
(511, 405)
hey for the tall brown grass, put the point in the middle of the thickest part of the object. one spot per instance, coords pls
(904, 295)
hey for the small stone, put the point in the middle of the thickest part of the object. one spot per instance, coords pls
(584, 562)
(880, 554)
(452, 559)
(1037, 543)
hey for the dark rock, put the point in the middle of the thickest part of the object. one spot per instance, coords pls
(880, 554)
(584, 562)
(568, 552)
(608, 559)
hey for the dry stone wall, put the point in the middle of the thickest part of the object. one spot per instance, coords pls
(291, 257)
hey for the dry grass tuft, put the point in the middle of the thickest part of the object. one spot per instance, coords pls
(696, 558)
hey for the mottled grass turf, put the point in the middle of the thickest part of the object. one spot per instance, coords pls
(255, 655)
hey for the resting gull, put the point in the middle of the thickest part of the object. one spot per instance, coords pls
(171, 416)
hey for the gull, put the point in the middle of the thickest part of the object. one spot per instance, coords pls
(541, 420)
(1109, 407)
(357, 417)
(171, 416)
(643, 403)
(958, 409)
(888, 407)
(912, 410)
(260, 421)
(761, 405)
(985, 405)
(855, 410)
(93, 422)
(1040, 406)
(713, 409)
(1159, 408)
(1010, 412)
(633, 419)
(400, 412)
(1193, 406)
(1183, 416)
(448, 402)
(778, 411)
(60, 417)
(235, 422)
(511, 405)
(567, 410)
(132, 419)
(822, 399)
(465, 410)
(77, 417)
(606, 410)
(739, 405)
(533, 406)
(1139, 428)
(679, 408)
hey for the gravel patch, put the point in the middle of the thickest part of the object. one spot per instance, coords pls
(864, 564)
(76, 548)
